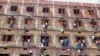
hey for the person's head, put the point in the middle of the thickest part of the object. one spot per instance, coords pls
(92, 37)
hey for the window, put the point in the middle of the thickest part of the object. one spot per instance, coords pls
(45, 40)
(64, 55)
(30, 9)
(76, 11)
(62, 37)
(82, 55)
(11, 19)
(80, 39)
(45, 21)
(63, 23)
(7, 37)
(4, 55)
(24, 54)
(91, 12)
(28, 21)
(98, 55)
(26, 37)
(78, 22)
(61, 11)
(94, 39)
(46, 9)
(1, 6)
(13, 8)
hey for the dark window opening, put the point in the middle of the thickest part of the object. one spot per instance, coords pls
(7, 37)
(11, 19)
(94, 23)
(95, 39)
(63, 23)
(28, 21)
(91, 12)
(80, 39)
(4, 55)
(98, 55)
(25, 38)
(76, 11)
(30, 9)
(24, 54)
(46, 55)
(45, 21)
(61, 11)
(45, 40)
(1, 6)
(82, 55)
(14, 8)
(46, 9)
(78, 22)
(64, 55)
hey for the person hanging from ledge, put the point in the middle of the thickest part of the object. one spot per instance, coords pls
(77, 23)
(64, 24)
(65, 43)
(93, 38)
(30, 53)
(62, 30)
(81, 45)
(45, 41)
(11, 22)
(26, 28)
(98, 43)
(42, 49)
(45, 23)
(94, 24)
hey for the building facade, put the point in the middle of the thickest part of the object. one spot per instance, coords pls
(52, 28)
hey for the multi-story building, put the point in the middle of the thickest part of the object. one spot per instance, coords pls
(36, 27)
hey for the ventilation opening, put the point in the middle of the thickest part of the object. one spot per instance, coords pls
(24, 54)
(7, 37)
(46, 10)
(30, 9)
(14, 8)
(4, 55)
(61, 11)
(1, 6)
(91, 12)
(76, 11)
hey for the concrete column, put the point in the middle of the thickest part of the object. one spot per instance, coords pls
(8, 1)
(97, 10)
(69, 11)
(83, 10)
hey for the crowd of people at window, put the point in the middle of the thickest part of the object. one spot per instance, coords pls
(94, 24)
(81, 44)
(96, 40)
(65, 42)
(77, 23)
(63, 25)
